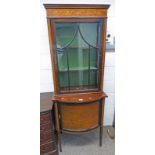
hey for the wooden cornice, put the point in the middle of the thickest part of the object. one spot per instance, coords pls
(90, 6)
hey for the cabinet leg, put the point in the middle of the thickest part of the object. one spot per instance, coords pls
(57, 126)
(59, 141)
(101, 133)
(101, 115)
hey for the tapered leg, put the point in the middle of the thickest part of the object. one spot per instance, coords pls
(57, 125)
(101, 120)
(59, 140)
(101, 133)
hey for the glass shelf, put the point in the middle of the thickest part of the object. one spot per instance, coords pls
(78, 69)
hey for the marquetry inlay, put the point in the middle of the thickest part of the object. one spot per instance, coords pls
(76, 12)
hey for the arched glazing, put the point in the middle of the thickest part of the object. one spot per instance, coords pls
(78, 47)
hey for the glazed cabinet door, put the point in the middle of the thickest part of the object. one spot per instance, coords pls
(77, 47)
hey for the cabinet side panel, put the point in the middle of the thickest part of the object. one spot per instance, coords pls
(102, 59)
(50, 34)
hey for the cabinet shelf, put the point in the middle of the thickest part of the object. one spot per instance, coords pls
(77, 69)
(75, 47)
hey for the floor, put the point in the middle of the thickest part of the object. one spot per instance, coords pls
(88, 144)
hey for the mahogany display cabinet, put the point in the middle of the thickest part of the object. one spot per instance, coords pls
(77, 38)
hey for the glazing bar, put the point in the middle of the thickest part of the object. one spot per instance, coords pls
(68, 68)
(89, 67)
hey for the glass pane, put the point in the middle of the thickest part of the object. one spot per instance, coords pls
(78, 50)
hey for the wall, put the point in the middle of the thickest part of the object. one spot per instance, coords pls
(46, 80)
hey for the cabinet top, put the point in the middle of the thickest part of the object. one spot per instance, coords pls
(79, 98)
(46, 103)
(95, 6)
(76, 10)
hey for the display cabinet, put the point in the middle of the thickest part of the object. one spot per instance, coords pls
(77, 37)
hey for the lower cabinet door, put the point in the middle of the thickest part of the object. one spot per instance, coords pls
(47, 148)
(45, 127)
(45, 117)
(47, 136)
(80, 117)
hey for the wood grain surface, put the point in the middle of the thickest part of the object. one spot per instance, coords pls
(80, 117)
(79, 97)
(47, 135)
(76, 12)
